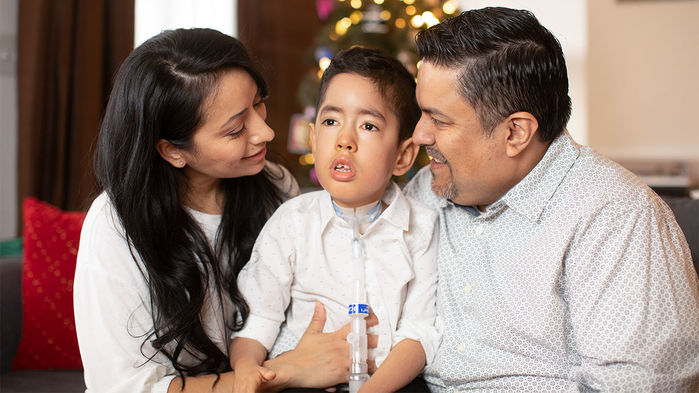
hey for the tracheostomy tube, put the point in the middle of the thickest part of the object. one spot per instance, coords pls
(358, 311)
(358, 308)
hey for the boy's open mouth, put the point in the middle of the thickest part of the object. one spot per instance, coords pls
(342, 169)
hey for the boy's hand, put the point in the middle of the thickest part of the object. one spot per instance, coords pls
(250, 376)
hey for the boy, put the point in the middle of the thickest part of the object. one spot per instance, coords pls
(366, 113)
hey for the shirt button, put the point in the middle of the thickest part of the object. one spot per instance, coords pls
(461, 347)
(479, 230)
(467, 288)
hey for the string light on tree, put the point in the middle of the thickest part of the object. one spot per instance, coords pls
(389, 25)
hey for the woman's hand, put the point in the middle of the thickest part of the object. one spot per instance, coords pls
(204, 383)
(249, 377)
(319, 360)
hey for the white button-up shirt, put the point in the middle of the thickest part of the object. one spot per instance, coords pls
(577, 279)
(303, 254)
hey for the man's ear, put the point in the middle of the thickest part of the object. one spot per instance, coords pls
(522, 128)
(407, 152)
(170, 153)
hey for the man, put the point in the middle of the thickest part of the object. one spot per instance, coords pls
(558, 270)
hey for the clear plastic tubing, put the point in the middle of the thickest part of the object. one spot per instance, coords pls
(358, 311)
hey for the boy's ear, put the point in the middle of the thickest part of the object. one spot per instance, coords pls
(170, 153)
(522, 128)
(407, 153)
(312, 138)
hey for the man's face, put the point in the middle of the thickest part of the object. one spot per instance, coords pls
(466, 160)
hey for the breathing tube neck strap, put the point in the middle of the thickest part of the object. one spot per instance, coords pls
(369, 212)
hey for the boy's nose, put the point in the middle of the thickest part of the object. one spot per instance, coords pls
(346, 145)
(345, 141)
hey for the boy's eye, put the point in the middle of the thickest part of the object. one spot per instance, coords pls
(329, 122)
(369, 127)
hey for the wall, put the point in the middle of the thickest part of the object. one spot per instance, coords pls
(8, 118)
(644, 79)
(153, 16)
(633, 96)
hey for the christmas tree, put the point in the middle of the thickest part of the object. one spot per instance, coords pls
(389, 25)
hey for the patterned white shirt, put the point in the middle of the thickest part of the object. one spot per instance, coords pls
(577, 279)
(303, 254)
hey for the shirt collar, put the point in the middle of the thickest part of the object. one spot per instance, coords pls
(531, 195)
(397, 212)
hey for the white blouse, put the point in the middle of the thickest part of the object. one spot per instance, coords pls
(113, 308)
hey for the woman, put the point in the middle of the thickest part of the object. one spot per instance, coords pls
(186, 189)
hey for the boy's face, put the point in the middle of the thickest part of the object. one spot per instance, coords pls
(355, 141)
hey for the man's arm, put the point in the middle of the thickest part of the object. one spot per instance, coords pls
(633, 302)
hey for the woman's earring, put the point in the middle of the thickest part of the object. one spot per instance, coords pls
(181, 163)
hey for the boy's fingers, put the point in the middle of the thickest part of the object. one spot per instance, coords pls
(318, 320)
(372, 340)
(371, 365)
(372, 320)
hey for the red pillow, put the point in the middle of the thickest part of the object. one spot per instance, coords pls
(51, 239)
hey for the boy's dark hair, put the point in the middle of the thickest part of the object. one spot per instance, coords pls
(393, 81)
(509, 63)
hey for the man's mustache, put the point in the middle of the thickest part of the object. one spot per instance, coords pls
(434, 153)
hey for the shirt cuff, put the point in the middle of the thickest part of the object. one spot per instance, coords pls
(261, 329)
(428, 335)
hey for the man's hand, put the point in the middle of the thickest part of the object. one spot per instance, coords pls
(320, 359)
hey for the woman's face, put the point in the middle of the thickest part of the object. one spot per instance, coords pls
(231, 142)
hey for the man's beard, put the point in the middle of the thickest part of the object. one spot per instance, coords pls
(448, 189)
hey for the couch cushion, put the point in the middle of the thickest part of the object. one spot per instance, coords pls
(687, 214)
(36, 381)
(48, 327)
(10, 309)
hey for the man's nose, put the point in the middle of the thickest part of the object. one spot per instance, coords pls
(423, 134)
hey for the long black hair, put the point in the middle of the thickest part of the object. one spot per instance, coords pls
(158, 94)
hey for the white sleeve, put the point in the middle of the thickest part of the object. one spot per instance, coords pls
(419, 310)
(112, 313)
(266, 280)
